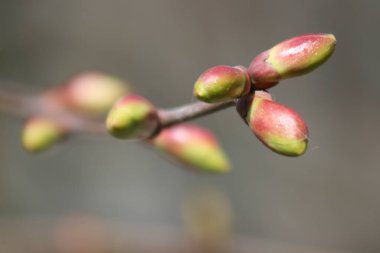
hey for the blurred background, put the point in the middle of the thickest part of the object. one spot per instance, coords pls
(97, 194)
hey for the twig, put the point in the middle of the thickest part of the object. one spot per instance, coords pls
(187, 112)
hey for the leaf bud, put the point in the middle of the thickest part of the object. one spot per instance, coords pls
(93, 93)
(278, 127)
(293, 57)
(222, 83)
(193, 146)
(132, 117)
(40, 133)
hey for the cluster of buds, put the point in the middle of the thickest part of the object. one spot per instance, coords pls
(276, 126)
(90, 95)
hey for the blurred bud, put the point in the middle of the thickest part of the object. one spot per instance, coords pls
(222, 83)
(292, 57)
(93, 93)
(40, 134)
(207, 215)
(275, 125)
(81, 233)
(132, 117)
(193, 146)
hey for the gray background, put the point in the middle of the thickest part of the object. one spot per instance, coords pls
(327, 198)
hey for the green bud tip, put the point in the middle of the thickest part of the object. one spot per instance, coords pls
(93, 93)
(276, 126)
(194, 147)
(40, 134)
(222, 83)
(292, 57)
(132, 117)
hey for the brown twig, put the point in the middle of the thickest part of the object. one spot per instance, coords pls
(188, 112)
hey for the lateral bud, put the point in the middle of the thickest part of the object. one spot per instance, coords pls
(193, 146)
(40, 133)
(278, 127)
(132, 117)
(293, 57)
(222, 83)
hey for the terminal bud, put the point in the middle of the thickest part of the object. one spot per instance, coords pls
(292, 57)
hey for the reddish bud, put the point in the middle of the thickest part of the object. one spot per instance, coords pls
(93, 93)
(222, 83)
(193, 146)
(132, 117)
(275, 125)
(292, 57)
(40, 133)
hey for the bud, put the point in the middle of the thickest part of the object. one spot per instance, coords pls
(93, 93)
(275, 125)
(292, 57)
(40, 133)
(193, 146)
(222, 83)
(132, 117)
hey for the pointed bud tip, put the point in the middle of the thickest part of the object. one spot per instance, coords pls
(132, 117)
(39, 134)
(193, 146)
(222, 83)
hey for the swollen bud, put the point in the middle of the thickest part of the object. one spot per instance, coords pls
(40, 133)
(222, 83)
(193, 146)
(93, 93)
(132, 117)
(275, 125)
(292, 57)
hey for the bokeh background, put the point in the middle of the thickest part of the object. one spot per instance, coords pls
(325, 201)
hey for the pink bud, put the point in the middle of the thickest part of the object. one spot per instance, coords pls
(132, 117)
(92, 93)
(292, 57)
(222, 83)
(193, 146)
(276, 126)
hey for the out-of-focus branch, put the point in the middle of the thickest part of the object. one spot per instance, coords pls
(23, 105)
(17, 104)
